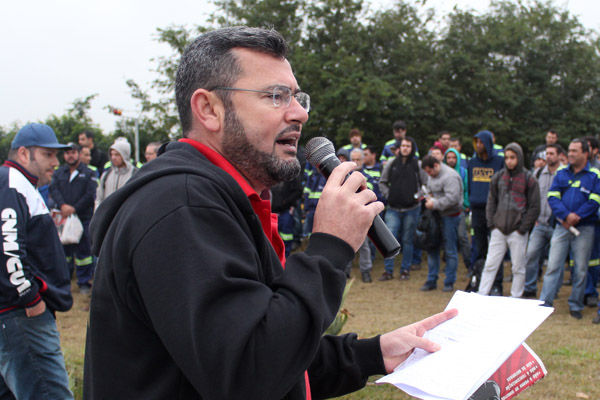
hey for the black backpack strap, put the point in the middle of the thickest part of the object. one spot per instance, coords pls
(538, 173)
(104, 176)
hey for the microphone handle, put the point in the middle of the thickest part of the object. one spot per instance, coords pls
(383, 239)
(379, 233)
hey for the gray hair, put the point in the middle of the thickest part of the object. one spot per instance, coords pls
(359, 151)
(208, 63)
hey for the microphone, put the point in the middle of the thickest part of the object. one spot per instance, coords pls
(321, 154)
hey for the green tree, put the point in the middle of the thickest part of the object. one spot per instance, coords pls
(286, 16)
(516, 70)
(68, 126)
(402, 58)
(519, 70)
(158, 119)
(6, 137)
(354, 63)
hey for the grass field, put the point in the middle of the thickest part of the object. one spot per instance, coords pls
(569, 348)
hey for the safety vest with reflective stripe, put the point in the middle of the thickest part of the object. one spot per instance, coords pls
(578, 193)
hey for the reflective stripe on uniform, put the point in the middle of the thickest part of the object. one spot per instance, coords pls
(286, 236)
(555, 194)
(85, 261)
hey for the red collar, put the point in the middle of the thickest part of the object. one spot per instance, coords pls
(261, 207)
(13, 164)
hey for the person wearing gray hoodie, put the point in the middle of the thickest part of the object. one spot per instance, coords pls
(512, 208)
(120, 171)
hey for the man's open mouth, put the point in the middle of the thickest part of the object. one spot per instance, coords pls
(288, 142)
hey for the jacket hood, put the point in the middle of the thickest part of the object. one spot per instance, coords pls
(343, 152)
(457, 166)
(438, 145)
(488, 142)
(414, 147)
(517, 149)
(191, 161)
(122, 147)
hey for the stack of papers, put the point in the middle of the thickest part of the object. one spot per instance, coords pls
(487, 330)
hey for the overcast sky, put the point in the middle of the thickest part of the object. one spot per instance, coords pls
(54, 51)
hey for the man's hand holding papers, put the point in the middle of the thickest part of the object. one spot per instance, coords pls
(397, 346)
(474, 345)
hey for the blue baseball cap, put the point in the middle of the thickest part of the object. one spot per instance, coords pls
(40, 135)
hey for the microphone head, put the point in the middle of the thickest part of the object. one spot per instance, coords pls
(318, 150)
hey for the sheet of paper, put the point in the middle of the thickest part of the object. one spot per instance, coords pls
(475, 343)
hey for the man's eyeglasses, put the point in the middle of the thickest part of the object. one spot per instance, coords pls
(281, 95)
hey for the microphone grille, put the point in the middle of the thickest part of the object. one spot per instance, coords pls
(319, 149)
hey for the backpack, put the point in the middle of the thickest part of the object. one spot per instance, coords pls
(428, 235)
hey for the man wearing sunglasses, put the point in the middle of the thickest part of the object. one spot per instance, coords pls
(193, 296)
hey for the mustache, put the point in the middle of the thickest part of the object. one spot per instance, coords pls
(291, 128)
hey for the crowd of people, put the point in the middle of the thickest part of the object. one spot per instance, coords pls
(190, 258)
(546, 213)
(39, 266)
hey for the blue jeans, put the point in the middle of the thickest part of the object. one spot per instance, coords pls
(417, 255)
(581, 246)
(373, 250)
(450, 232)
(405, 222)
(31, 363)
(539, 238)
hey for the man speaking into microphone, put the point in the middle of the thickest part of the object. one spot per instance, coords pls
(193, 297)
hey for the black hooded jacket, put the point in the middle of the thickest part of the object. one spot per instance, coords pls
(402, 179)
(190, 300)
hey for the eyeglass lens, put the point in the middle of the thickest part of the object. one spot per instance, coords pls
(283, 96)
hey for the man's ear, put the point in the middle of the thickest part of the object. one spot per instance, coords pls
(23, 156)
(207, 109)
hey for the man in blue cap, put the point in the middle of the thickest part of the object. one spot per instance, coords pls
(34, 283)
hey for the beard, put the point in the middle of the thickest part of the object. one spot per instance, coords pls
(265, 168)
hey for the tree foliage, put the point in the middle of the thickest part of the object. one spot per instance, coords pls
(518, 70)
(67, 126)
(6, 137)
